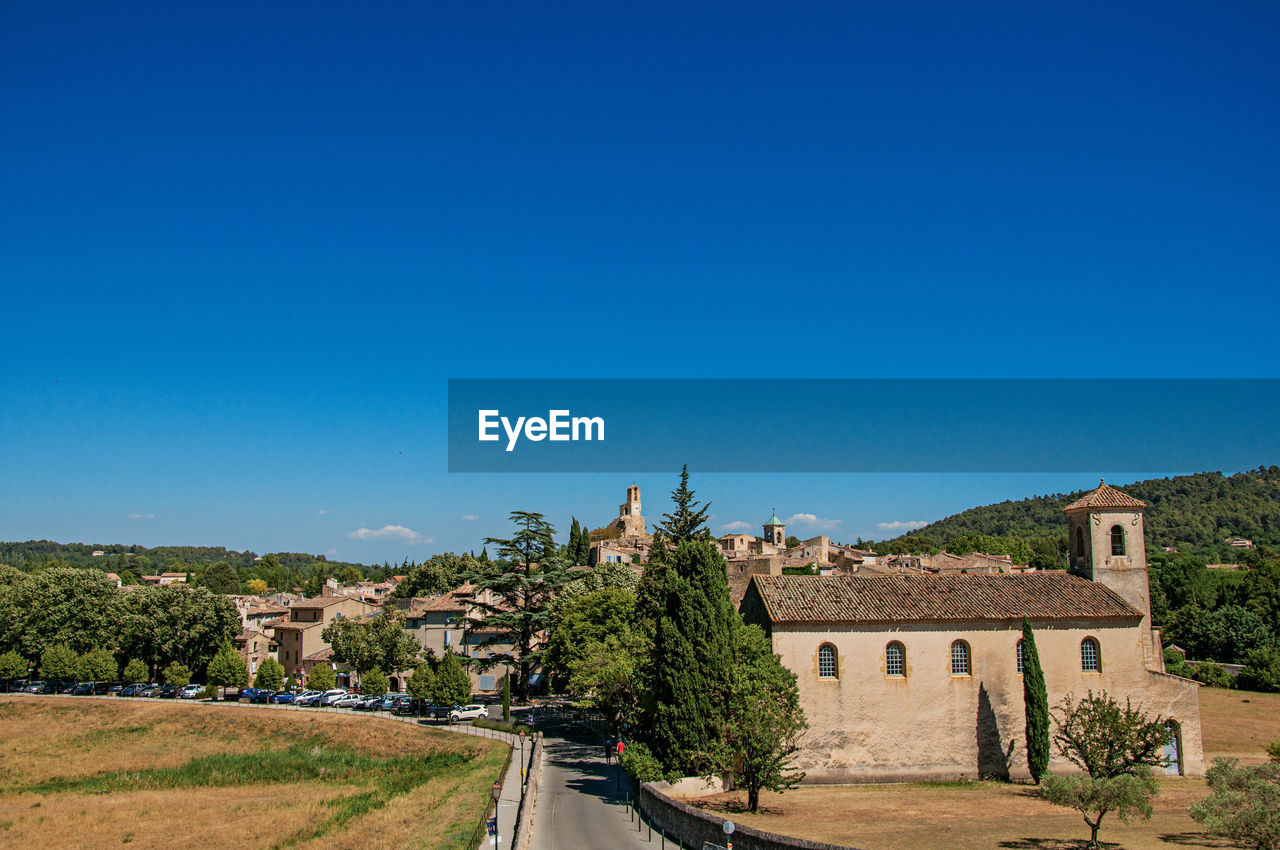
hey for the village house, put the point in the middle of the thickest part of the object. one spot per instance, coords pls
(254, 647)
(298, 635)
(448, 623)
(940, 655)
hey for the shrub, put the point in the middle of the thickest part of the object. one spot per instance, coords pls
(136, 671)
(374, 683)
(322, 678)
(1261, 670)
(1213, 675)
(637, 761)
(1244, 804)
(176, 674)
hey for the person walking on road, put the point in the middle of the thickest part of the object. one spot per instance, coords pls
(608, 750)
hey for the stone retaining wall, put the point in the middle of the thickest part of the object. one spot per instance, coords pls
(692, 827)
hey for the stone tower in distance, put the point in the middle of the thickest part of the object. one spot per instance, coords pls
(630, 520)
(1109, 546)
(775, 531)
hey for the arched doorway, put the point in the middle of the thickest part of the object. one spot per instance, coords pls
(1173, 749)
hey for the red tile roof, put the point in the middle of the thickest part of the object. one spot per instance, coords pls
(1050, 595)
(1104, 497)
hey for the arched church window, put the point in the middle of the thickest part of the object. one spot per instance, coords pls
(895, 659)
(1117, 540)
(960, 659)
(1079, 542)
(827, 661)
(1090, 656)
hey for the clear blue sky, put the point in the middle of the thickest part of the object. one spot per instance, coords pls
(242, 248)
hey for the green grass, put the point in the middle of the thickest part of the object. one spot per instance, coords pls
(299, 763)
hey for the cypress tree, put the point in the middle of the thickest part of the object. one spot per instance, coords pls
(1036, 699)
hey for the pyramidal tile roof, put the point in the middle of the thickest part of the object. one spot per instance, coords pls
(1049, 595)
(1105, 497)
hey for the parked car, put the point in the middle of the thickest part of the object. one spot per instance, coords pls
(115, 689)
(283, 698)
(468, 712)
(84, 689)
(132, 690)
(192, 691)
(346, 701)
(262, 695)
(65, 687)
(309, 698)
(37, 687)
(148, 691)
(330, 695)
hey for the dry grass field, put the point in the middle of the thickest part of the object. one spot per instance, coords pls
(97, 773)
(983, 815)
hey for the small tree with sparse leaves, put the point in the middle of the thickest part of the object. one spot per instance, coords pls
(1116, 746)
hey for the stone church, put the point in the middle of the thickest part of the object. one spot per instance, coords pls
(912, 677)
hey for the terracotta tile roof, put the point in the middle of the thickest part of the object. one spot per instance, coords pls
(1105, 496)
(293, 625)
(322, 655)
(1050, 595)
(320, 602)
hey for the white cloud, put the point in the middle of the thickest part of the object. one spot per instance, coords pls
(738, 526)
(322, 513)
(389, 532)
(470, 517)
(332, 553)
(901, 525)
(816, 523)
(142, 516)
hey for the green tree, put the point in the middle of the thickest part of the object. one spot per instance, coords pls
(176, 674)
(227, 668)
(321, 678)
(291, 683)
(1261, 670)
(60, 605)
(422, 683)
(522, 592)
(374, 683)
(1128, 795)
(688, 521)
(1105, 739)
(1035, 698)
(59, 662)
(176, 623)
(98, 665)
(349, 575)
(765, 720)
(270, 675)
(452, 684)
(136, 671)
(693, 648)
(12, 666)
(1243, 804)
(381, 642)
(220, 577)
(438, 574)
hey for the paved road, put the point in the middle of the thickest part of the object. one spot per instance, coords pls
(579, 804)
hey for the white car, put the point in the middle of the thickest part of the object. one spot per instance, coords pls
(329, 696)
(468, 712)
(191, 692)
(346, 700)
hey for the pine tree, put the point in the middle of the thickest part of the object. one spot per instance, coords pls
(453, 685)
(533, 571)
(687, 521)
(1035, 698)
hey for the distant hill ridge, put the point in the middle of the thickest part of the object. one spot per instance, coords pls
(1194, 513)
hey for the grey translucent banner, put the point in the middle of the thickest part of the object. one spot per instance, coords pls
(862, 425)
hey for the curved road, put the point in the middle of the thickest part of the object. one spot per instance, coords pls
(580, 806)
